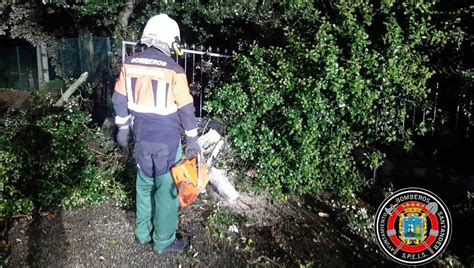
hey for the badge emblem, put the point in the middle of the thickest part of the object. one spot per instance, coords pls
(413, 226)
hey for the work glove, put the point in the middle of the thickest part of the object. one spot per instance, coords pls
(192, 147)
(122, 135)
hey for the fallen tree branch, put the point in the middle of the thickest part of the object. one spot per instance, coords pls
(96, 151)
(263, 257)
(64, 98)
(20, 216)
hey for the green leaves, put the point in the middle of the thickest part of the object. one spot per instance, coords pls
(300, 111)
(46, 159)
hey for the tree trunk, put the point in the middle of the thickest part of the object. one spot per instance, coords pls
(120, 33)
(126, 11)
(87, 50)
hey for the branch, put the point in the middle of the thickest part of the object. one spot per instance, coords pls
(71, 90)
(126, 11)
(263, 257)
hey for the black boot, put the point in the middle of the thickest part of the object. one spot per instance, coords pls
(178, 246)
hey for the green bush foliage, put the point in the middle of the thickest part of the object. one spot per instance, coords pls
(309, 115)
(53, 156)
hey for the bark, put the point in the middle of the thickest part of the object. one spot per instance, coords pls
(65, 97)
(87, 49)
(120, 32)
(126, 11)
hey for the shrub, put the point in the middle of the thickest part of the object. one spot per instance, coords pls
(341, 84)
(51, 156)
(53, 85)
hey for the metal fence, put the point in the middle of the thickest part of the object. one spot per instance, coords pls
(27, 67)
(447, 112)
(203, 68)
(18, 67)
(84, 54)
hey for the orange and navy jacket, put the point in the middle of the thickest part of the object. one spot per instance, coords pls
(154, 89)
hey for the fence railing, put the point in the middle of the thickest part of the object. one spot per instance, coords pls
(202, 67)
(84, 54)
(18, 67)
(30, 68)
(445, 113)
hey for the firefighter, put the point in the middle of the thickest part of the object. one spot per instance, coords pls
(152, 91)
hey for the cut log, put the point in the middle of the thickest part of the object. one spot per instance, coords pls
(212, 142)
(65, 97)
(218, 179)
(207, 140)
(217, 149)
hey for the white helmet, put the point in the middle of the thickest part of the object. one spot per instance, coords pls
(161, 29)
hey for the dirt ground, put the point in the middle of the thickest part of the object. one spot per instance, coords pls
(10, 98)
(251, 231)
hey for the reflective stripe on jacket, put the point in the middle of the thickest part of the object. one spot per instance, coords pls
(154, 89)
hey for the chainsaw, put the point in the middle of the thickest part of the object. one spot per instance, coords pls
(190, 177)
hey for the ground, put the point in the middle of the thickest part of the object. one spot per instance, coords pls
(12, 99)
(250, 231)
(255, 230)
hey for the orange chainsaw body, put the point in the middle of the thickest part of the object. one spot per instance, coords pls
(188, 182)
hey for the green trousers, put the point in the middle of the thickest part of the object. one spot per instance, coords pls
(157, 209)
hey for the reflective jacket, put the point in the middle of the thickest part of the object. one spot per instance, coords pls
(154, 89)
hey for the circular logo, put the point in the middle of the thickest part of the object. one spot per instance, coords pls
(413, 226)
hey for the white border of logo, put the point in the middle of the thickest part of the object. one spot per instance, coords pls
(435, 198)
